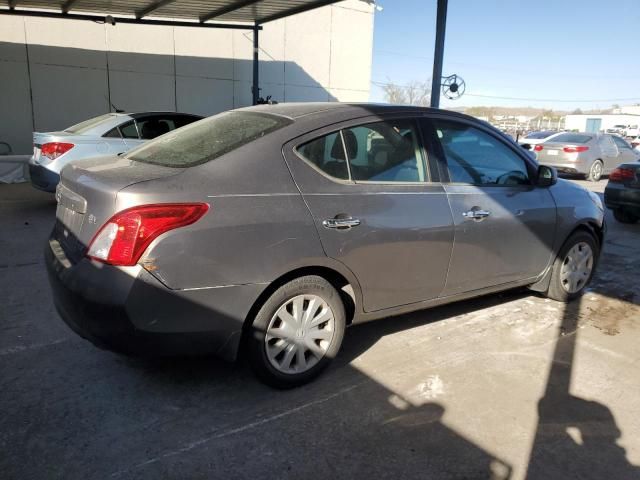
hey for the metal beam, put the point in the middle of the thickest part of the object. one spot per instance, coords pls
(438, 54)
(255, 89)
(293, 11)
(228, 9)
(68, 5)
(152, 7)
(99, 18)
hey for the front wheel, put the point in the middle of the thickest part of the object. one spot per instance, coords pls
(574, 267)
(297, 332)
(595, 172)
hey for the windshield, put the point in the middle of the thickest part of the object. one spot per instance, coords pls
(87, 125)
(571, 138)
(207, 139)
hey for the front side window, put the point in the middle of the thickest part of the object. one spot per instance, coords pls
(475, 157)
(211, 138)
(386, 151)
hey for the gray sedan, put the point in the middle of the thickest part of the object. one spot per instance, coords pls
(275, 227)
(112, 133)
(588, 154)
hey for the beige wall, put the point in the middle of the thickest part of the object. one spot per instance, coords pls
(55, 72)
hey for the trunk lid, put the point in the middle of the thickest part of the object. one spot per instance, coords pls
(87, 193)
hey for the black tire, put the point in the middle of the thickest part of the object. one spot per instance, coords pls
(556, 291)
(595, 172)
(256, 341)
(624, 216)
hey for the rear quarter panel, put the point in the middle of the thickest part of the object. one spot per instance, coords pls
(257, 228)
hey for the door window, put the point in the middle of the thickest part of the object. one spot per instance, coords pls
(386, 151)
(621, 143)
(129, 130)
(475, 157)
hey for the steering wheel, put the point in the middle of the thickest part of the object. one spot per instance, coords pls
(514, 177)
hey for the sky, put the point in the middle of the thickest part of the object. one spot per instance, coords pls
(560, 54)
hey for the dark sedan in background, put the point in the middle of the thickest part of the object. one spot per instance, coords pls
(622, 194)
(274, 227)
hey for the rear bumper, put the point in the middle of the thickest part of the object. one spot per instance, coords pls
(128, 310)
(565, 166)
(619, 196)
(43, 178)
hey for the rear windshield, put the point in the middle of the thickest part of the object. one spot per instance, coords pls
(537, 135)
(571, 138)
(207, 139)
(82, 127)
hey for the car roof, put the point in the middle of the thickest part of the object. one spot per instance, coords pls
(295, 110)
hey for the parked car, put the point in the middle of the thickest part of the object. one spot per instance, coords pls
(622, 194)
(112, 133)
(635, 142)
(617, 130)
(588, 154)
(274, 227)
(632, 131)
(534, 138)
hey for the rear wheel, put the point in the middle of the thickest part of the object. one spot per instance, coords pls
(574, 267)
(624, 216)
(297, 332)
(595, 172)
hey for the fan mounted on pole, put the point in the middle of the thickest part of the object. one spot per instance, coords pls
(453, 87)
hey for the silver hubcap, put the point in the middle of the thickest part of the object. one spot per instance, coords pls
(596, 170)
(299, 334)
(576, 267)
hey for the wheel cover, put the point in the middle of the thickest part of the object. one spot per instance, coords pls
(299, 334)
(576, 267)
(596, 170)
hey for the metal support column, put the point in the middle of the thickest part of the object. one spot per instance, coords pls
(436, 79)
(256, 66)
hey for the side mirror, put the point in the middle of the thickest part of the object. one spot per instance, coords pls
(547, 176)
(526, 146)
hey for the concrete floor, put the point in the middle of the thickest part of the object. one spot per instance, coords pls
(507, 386)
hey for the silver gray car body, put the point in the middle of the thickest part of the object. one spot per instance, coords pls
(609, 150)
(416, 244)
(108, 134)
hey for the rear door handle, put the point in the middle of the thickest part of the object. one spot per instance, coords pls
(476, 214)
(341, 223)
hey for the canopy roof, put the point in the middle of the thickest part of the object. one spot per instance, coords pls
(199, 12)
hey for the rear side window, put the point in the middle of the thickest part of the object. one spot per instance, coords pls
(621, 143)
(571, 138)
(129, 130)
(207, 139)
(386, 151)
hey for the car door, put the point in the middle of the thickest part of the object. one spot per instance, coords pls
(504, 225)
(377, 207)
(626, 153)
(609, 152)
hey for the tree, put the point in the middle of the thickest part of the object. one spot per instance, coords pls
(577, 111)
(415, 93)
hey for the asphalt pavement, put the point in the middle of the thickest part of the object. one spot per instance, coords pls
(506, 386)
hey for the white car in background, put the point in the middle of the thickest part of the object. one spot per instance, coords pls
(108, 134)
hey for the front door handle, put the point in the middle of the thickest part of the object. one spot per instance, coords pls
(341, 223)
(476, 214)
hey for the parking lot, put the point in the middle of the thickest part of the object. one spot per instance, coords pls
(506, 386)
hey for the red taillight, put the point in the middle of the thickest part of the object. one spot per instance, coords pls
(620, 175)
(538, 148)
(575, 149)
(124, 238)
(53, 150)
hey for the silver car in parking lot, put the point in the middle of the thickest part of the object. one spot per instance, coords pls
(108, 134)
(588, 154)
(265, 231)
